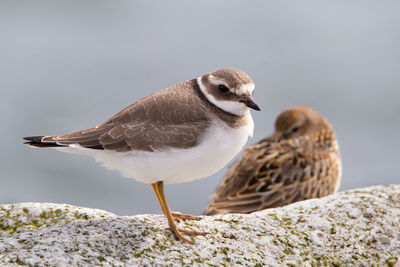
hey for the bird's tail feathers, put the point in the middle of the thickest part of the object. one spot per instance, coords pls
(37, 141)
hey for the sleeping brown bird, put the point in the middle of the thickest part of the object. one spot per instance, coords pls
(299, 161)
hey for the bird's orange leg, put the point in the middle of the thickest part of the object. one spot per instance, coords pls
(158, 188)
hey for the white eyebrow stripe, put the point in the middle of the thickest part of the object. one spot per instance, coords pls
(213, 80)
(247, 88)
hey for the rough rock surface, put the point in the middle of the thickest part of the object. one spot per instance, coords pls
(346, 229)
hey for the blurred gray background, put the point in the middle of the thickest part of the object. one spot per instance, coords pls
(67, 65)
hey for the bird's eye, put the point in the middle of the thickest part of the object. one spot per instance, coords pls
(295, 129)
(222, 88)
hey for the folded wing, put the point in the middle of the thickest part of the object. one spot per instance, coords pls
(145, 125)
(271, 174)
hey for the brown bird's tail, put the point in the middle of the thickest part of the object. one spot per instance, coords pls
(36, 141)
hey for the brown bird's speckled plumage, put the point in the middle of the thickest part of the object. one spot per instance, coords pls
(299, 161)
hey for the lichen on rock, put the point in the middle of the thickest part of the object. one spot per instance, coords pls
(349, 228)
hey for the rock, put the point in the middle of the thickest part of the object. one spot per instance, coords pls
(349, 228)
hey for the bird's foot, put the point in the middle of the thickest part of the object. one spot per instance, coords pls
(178, 215)
(178, 233)
(191, 233)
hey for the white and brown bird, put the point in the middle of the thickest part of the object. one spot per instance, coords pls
(299, 161)
(183, 133)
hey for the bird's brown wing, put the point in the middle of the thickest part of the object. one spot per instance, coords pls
(272, 174)
(172, 118)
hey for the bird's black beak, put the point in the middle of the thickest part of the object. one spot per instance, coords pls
(248, 101)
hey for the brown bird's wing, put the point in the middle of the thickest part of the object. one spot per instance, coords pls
(272, 174)
(171, 118)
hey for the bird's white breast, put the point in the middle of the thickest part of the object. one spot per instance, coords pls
(219, 145)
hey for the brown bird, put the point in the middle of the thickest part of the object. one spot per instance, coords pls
(299, 161)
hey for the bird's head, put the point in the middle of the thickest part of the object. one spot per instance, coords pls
(299, 121)
(229, 89)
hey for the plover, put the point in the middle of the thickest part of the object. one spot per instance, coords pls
(299, 161)
(183, 133)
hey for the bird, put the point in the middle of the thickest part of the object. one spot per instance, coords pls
(298, 161)
(182, 133)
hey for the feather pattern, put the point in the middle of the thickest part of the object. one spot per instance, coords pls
(278, 171)
(166, 119)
